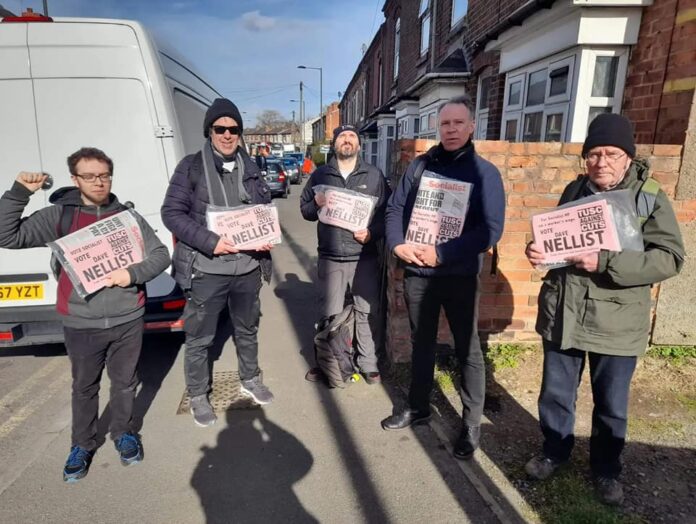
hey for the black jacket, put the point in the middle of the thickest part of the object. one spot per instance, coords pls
(184, 208)
(336, 243)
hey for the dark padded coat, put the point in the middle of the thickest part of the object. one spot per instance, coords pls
(184, 208)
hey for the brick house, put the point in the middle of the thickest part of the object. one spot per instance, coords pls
(322, 128)
(415, 61)
(542, 70)
(539, 70)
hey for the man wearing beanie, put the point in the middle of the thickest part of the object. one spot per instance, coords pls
(598, 310)
(210, 270)
(347, 260)
(446, 276)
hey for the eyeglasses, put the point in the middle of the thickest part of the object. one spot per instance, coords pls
(220, 130)
(91, 178)
(593, 158)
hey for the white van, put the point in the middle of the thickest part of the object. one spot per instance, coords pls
(67, 83)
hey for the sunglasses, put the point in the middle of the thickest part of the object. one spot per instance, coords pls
(220, 130)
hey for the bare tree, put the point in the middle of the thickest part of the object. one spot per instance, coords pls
(270, 119)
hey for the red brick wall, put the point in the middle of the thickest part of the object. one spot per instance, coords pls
(656, 97)
(534, 175)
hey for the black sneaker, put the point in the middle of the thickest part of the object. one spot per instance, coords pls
(77, 465)
(255, 389)
(541, 467)
(130, 449)
(609, 490)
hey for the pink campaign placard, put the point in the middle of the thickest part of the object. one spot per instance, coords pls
(575, 230)
(439, 211)
(346, 209)
(247, 227)
(90, 254)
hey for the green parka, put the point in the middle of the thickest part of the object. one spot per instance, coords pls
(608, 311)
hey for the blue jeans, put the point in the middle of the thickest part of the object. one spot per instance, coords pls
(610, 377)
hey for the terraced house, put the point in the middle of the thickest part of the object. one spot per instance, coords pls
(539, 70)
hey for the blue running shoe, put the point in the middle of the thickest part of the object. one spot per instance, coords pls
(77, 464)
(129, 448)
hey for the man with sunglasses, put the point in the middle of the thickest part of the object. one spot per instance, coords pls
(598, 309)
(213, 273)
(106, 328)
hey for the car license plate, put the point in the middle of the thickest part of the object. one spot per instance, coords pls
(21, 292)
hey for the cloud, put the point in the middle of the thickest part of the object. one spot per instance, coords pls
(255, 21)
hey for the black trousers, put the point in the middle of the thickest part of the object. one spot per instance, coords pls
(458, 295)
(610, 377)
(89, 350)
(208, 296)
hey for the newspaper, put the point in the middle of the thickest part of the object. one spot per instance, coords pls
(90, 254)
(439, 211)
(345, 208)
(247, 227)
(575, 230)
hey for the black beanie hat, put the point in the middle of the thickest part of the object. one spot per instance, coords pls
(221, 107)
(345, 127)
(610, 129)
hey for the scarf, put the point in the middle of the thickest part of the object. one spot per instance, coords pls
(217, 195)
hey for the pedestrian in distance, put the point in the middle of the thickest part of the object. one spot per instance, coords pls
(447, 275)
(106, 327)
(597, 310)
(349, 260)
(213, 273)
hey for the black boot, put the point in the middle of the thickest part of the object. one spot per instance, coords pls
(467, 442)
(405, 418)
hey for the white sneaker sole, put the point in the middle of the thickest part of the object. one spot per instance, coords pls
(249, 394)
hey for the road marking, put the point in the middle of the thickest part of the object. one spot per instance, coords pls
(25, 387)
(35, 403)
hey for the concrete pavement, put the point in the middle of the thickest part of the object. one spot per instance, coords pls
(314, 455)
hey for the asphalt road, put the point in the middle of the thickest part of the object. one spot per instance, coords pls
(315, 455)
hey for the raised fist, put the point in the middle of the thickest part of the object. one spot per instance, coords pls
(32, 181)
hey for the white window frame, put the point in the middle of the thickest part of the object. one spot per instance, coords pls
(508, 84)
(564, 97)
(603, 101)
(397, 45)
(456, 21)
(424, 13)
(560, 103)
(481, 117)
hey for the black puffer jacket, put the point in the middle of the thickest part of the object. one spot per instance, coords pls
(336, 243)
(184, 207)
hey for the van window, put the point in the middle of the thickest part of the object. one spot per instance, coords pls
(191, 114)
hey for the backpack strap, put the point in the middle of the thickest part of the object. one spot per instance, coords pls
(645, 200)
(66, 219)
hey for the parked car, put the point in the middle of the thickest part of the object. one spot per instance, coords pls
(276, 178)
(292, 169)
(297, 156)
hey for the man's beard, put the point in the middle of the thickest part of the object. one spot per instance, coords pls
(353, 152)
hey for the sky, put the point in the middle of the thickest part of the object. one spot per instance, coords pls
(249, 50)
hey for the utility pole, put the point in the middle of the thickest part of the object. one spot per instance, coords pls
(45, 5)
(302, 113)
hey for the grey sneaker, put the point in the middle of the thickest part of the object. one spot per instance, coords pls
(609, 491)
(255, 389)
(202, 411)
(541, 467)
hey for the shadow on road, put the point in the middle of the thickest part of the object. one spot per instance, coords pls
(249, 475)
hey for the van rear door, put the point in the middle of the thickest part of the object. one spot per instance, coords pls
(20, 151)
